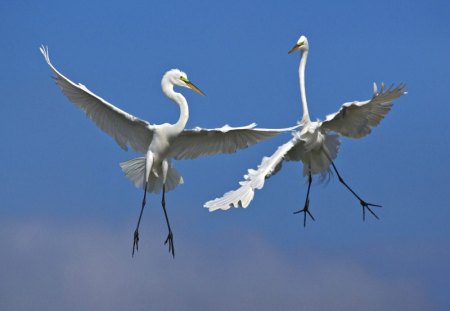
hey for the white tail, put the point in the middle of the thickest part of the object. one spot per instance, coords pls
(134, 169)
(315, 157)
(319, 161)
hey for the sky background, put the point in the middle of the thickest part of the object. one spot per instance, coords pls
(67, 213)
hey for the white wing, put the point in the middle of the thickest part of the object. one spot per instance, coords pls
(356, 119)
(253, 180)
(122, 126)
(191, 144)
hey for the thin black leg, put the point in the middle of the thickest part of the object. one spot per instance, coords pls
(363, 203)
(136, 232)
(169, 238)
(305, 209)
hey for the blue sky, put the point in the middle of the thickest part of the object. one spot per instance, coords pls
(67, 213)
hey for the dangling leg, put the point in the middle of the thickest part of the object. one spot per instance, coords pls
(136, 232)
(148, 168)
(169, 239)
(363, 203)
(305, 209)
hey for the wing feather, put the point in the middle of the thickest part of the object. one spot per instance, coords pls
(126, 129)
(255, 179)
(191, 144)
(356, 119)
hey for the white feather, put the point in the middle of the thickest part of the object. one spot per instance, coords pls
(191, 144)
(253, 180)
(356, 119)
(126, 129)
(316, 144)
(134, 169)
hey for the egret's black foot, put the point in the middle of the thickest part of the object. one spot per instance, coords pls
(305, 211)
(136, 241)
(170, 241)
(365, 206)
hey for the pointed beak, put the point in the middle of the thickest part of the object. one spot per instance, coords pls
(194, 88)
(294, 48)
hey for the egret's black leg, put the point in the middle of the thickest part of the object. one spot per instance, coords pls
(136, 232)
(363, 203)
(169, 238)
(305, 209)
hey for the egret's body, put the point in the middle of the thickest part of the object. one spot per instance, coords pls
(159, 143)
(316, 144)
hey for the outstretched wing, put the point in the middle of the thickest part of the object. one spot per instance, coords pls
(253, 180)
(356, 119)
(191, 144)
(126, 129)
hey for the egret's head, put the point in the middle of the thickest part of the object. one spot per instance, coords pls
(178, 77)
(302, 45)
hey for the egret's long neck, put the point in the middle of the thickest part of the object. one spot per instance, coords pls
(182, 103)
(301, 74)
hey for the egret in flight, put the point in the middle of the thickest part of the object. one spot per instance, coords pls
(316, 144)
(159, 142)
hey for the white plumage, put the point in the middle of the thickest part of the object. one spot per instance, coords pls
(316, 144)
(159, 142)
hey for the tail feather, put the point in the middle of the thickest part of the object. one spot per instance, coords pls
(316, 160)
(134, 169)
(173, 178)
(319, 161)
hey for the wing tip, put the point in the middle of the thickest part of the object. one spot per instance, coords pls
(400, 89)
(45, 52)
(214, 207)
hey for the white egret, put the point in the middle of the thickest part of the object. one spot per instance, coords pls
(316, 144)
(160, 143)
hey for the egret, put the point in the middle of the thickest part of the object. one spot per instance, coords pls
(159, 142)
(316, 143)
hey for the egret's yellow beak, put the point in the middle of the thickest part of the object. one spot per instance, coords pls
(191, 85)
(296, 47)
(194, 88)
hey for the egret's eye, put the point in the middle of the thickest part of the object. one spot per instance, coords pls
(184, 79)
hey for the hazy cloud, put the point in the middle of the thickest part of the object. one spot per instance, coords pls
(51, 267)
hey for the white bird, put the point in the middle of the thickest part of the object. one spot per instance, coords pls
(162, 142)
(316, 144)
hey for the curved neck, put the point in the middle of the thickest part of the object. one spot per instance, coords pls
(301, 74)
(179, 99)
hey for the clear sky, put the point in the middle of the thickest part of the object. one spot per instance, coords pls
(67, 213)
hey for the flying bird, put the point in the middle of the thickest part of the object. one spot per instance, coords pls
(159, 143)
(316, 143)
